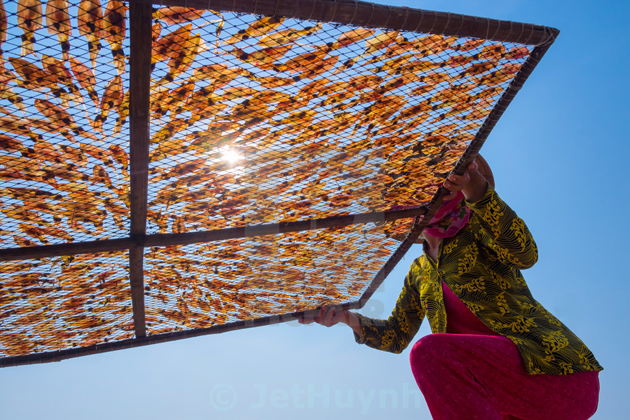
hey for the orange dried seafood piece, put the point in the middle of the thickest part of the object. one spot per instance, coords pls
(491, 52)
(273, 82)
(321, 67)
(516, 53)
(433, 44)
(46, 151)
(3, 24)
(170, 45)
(29, 18)
(257, 28)
(33, 77)
(58, 23)
(60, 74)
(288, 35)
(112, 99)
(86, 78)
(303, 62)
(470, 44)
(177, 14)
(59, 116)
(114, 26)
(380, 41)
(11, 145)
(352, 36)
(91, 26)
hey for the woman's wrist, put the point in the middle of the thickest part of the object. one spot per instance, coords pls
(476, 188)
(352, 320)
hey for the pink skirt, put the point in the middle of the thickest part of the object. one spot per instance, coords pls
(471, 372)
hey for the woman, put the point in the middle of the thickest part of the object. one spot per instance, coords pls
(495, 352)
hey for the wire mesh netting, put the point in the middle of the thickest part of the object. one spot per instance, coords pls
(254, 120)
(64, 171)
(264, 119)
(64, 142)
(199, 286)
(64, 302)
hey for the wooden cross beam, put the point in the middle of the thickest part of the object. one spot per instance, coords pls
(168, 239)
(370, 15)
(140, 17)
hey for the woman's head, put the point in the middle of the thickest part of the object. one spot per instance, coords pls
(454, 214)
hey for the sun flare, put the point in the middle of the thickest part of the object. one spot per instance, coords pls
(231, 156)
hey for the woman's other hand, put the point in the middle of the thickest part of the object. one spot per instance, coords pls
(329, 315)
(471, 183)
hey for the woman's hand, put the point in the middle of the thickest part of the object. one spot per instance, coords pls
(472, 184)
(329, 315)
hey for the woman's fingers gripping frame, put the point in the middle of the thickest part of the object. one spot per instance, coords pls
(455, 183)
(309, 316)
(327, 315)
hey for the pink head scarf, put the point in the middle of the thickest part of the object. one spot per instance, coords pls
(450, 218)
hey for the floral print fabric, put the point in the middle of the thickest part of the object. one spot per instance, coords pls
(450, 219)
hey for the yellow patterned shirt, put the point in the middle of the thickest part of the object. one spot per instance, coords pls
(481, 265)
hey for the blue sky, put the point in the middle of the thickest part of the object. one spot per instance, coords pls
(558, 156)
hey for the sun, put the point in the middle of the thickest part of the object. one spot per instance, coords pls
(231, 156)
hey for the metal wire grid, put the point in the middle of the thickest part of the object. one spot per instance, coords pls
(252, 141)
(199, 286)
(64, 302)
(63, 132)
(281, 120)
